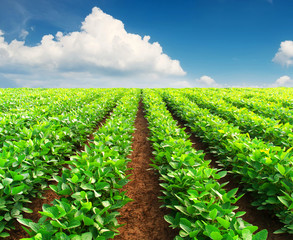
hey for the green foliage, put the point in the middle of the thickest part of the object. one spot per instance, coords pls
(90, 189)
(201, 208)
(265, 128)
(265, 169)
(37, 135)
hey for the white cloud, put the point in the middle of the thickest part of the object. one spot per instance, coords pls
(284, 55)
(284, 81)
(101, 48)
(206, 81)
(23, 34)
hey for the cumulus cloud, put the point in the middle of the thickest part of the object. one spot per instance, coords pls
(284, 81)
(102, 46)
(284, 55)
(206, 81)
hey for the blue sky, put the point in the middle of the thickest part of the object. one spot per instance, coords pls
(193, 43)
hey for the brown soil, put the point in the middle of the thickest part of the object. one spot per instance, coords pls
(143, 217)
(48, 195)
(262, 219)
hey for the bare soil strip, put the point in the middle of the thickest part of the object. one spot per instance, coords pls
(143, 217)
(49, 195)
(262, 219)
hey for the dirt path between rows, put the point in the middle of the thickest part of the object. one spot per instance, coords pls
(143, 217)
(263, 219)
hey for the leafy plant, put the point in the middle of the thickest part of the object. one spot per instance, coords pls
(90, 189)
(201, 208)
(265, 170)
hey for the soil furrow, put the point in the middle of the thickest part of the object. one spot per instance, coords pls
(143, 217)
(262, 219)
(48, 195)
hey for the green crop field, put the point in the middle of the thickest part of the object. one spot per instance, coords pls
(75, 145)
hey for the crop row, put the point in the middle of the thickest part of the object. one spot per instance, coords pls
(256, 126)
(26, 100)
(279, 97)
(261, 107)
(15, 122)
(265, 170)
(201, 207)
(35, 154)
(90, 188)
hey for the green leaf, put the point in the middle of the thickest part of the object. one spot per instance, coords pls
(240, 213)
(101, 185)
(281, 169)
(34, 226)
(211, 228)
(2, 162)
(178, 238)
(18, 177)
(74, 179)
(73, 224)
(169, 219)
(86, 206)
(213, 214)
(87, 236)
(76, 237)
(27, 210)
(283, 200)
(252, 228)
(246, 234)
(87, 149)
(183, 233)
(262, 235)
(106, 203)
(88, 221)
(181, 209)
(223, 222)
(17, 190)
(58, 224)
(174, 165)
(87, 186)
(232, 192)
(279, 231)
(24, 221)
(39, 237)
(7, 181)
(65, 192)
(185, 225)
(83, 194)
(4, 234)
(54, 188)
(222, 174)
(216, 236)
(53, 211)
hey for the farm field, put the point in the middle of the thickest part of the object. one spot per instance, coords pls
(162, 164)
